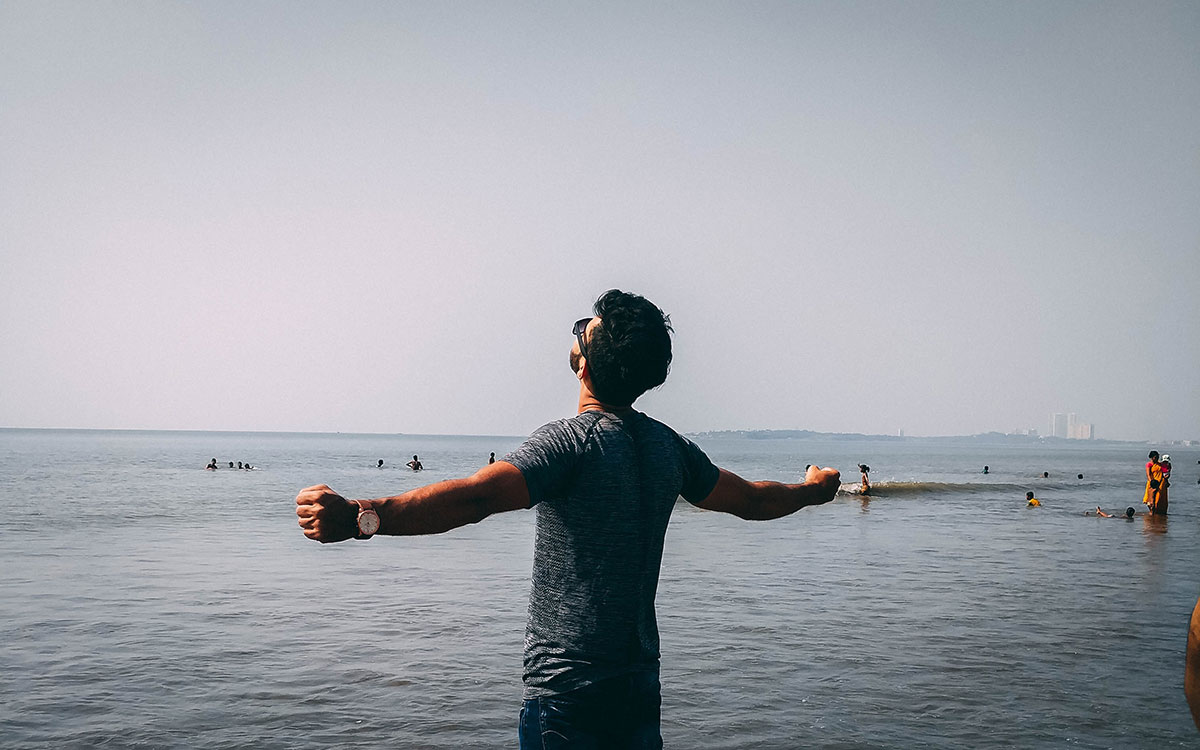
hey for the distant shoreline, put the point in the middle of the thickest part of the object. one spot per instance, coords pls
(985, 438)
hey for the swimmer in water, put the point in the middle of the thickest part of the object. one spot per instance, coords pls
(1031, 501)
(866, 483)
(1129, 513)
(415, 464)
(985, 469)
(380, 466)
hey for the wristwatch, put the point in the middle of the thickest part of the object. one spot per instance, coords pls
(368, 520)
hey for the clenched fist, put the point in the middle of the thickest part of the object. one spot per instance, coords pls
(325, 515)
(829, 480)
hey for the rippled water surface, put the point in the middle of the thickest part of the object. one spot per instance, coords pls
(145, 602)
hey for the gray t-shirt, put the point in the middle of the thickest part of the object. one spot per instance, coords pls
(604, 486)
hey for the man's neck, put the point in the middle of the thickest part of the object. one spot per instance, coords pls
(589, 402)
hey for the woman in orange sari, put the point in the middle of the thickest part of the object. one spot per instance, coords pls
(1155, 493)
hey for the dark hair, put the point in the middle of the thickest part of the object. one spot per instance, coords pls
(1129, 512)
(1029, 495)
(629, 350)
(1153, 454)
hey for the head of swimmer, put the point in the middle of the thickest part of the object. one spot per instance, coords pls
(625, 349)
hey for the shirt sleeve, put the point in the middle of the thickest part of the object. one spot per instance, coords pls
(548, 459)
(700, 473)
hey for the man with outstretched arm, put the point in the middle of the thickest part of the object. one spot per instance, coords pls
(603, 483)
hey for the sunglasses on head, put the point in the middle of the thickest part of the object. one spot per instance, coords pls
(579, 329)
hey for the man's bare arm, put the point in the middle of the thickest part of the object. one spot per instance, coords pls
(1191, 677)
(763, 501)
(328, 517)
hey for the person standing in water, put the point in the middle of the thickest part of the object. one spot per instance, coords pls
(603, 484)
(866, 483)
(1165, 463)
(1154, 478)
(415, 464)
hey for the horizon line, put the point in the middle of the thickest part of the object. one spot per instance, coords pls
(688, 432)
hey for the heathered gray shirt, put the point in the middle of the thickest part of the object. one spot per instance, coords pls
(604, 486)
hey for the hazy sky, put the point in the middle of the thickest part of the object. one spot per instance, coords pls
(385, 216)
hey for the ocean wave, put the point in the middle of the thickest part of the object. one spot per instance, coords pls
(896, 488)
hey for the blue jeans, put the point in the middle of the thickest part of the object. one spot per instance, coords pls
(622, 712)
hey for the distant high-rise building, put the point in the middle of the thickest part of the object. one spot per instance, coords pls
(1058, 425)
(1068, 426)
(1083, 431)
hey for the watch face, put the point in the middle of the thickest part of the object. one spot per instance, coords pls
(368, 522)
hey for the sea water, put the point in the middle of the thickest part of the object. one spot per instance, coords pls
(146, 602)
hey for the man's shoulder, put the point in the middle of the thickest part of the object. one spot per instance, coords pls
(586, 424)
(581, 422)
(661, 427)
(574, 429)
(631, 421)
